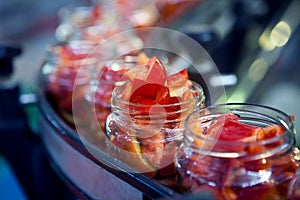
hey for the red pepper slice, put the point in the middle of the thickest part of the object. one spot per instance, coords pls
(149, 86)
(230, 129)
(236, 131)
(141, 89)
(157, 72)
(181, 74)
(178, 82)
(151, 94)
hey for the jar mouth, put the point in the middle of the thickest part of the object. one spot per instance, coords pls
(125, 105)
(254, 114)
(75, 64)
(80, 48)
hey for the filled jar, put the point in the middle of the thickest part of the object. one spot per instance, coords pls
(238, 151)
(100, 89)
(117, 55)
(148, 110)
(69, 75)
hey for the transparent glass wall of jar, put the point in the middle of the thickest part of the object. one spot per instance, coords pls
(147, 137)
(238, 151)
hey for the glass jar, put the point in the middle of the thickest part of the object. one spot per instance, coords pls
(258, 165)
(100, 89)
(67, 60)
(146, 137)
(118, 54)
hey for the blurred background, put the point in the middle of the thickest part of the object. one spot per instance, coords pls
(254, 43)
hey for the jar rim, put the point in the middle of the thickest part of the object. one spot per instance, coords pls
(196, 87)
(84, 48)
(286, 123)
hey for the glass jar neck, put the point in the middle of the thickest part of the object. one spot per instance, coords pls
(165, 115)
(253, 115)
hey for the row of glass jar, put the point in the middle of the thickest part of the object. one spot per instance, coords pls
(231, 169)
(233, 151)
(165, 135)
